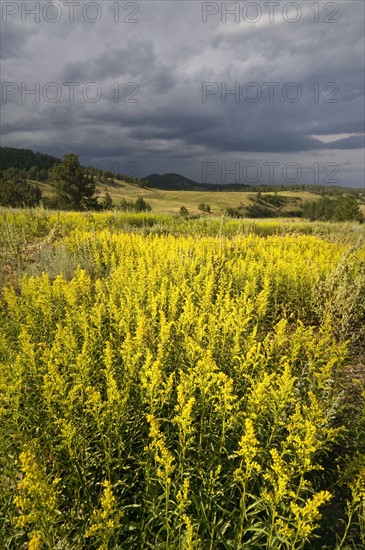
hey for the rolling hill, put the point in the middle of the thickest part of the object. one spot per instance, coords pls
(166, 193)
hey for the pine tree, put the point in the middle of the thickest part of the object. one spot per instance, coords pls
(75, 190)
(107, 201)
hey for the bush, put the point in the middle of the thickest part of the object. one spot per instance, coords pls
(126, 206)
(139, 206)
(259, 211)
(107, 202)
(274, 200)
(339, 209)
(233, 213)
(183, 211)
(204, 207)
(17, 192)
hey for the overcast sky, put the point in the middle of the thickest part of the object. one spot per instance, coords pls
(144, 86)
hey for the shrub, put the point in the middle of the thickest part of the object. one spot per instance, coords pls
(343, 208)
(183, 211)
(233, 213)
(204, 207)
(141, 205)
(17, 192)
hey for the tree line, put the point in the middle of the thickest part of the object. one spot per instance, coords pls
(73, 187)
(339, 209)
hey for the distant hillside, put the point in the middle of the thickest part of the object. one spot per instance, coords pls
(24, 159)
(172, 182)
(167, 193)
(38, 165)
(177, 182)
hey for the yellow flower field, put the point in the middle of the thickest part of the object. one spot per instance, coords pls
(179, 385)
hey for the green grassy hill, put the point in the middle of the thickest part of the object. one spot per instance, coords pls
(167, 193)
(169, 202)
(163, 201)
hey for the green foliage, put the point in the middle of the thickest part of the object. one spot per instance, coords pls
(17, 192)
(126, 206)
(204, 207)
(274, 200)
(233, 213)
(183, 211)
(25, 159)
(139, 206)
(344, 208)
(261, 211)
(34, 173)
(107, 202)
(74, 189)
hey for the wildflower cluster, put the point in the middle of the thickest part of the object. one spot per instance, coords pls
(176, 383)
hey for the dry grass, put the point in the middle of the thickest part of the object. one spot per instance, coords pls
(169, 202)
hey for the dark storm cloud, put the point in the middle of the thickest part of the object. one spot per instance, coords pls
(168, 56)
(347, 126)
(137, 61)
(352, 142)
(13, 39)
